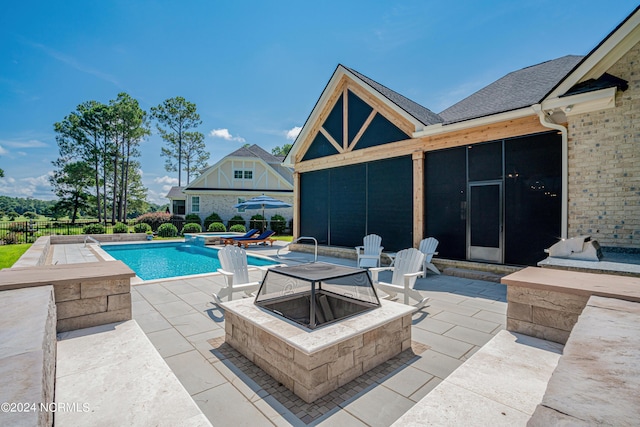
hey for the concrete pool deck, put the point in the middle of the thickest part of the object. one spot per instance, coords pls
(187, 329)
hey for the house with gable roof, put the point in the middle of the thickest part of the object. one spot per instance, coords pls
(245, 173)
(546, 152)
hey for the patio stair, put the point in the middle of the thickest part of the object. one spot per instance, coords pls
(500, 385)
(117, 378)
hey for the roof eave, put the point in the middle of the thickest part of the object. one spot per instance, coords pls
(471, 123)
(582, 102)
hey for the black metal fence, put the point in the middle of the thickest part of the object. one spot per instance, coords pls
(14, 232)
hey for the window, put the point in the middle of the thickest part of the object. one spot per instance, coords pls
(242, 174)
(195, 204)
(178, 207)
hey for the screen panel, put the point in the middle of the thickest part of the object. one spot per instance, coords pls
(445, 201)
(314, 205)
(347, 192)
(380, 131)
(533, 205)
(390, 202)
(333, 123)
(358, 113)
(320, 147)
(485, 161)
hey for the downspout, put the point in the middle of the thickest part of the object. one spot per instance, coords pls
(565, 167)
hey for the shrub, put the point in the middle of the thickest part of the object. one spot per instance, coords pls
(18, 227)
(93, 229)
(236, 220)
(217, 226)
(191, 227)
(120, 228)
(30, 215)
(278, 224)
(238, 228)
(192, 219)
(11, 239)
(167, 230)
(141, 228)
(154, 219)
(257, 221)
(214, 217)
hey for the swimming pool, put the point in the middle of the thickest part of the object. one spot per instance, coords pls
(153, 261)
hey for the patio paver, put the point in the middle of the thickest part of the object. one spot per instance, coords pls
(187, 329)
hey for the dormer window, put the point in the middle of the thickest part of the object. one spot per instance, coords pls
(242, 174)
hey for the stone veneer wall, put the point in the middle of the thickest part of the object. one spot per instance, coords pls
(604, 165)
(86, 295)
(86, 303)
(546, 303)
(549, 315)
(27, 354)
(312, 376)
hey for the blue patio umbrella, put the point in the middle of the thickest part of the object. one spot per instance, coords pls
(262, 202)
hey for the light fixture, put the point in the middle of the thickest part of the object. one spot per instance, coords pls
(568, 108)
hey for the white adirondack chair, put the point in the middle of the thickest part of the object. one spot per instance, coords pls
(428, 247)
(369, 254)
(236, 273)
(406, 269)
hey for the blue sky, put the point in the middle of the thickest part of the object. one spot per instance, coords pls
(255, 69)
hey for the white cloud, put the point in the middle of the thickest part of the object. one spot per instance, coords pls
(31, 143)
(157, 197)
(293, 133)
(224, 134)
(37, 187)
(170, 181)
(3, 151)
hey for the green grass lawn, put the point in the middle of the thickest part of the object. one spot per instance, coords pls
(9, 254)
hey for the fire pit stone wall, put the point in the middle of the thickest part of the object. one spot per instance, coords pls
(314, 363)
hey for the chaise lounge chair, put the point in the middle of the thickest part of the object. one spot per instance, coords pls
(265, 237)
(406, 269)
(231, 240)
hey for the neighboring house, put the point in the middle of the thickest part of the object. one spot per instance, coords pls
(243, 174)
(548, 151)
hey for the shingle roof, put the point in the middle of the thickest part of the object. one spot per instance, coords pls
(516, 90)
(256, 151)
(176, 193)
(273, 161)
(420, 113)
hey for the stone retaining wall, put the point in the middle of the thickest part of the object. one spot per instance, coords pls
(546, 303)
(86, 295)
(27, 354)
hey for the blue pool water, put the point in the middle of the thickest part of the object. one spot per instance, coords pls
(161, 260)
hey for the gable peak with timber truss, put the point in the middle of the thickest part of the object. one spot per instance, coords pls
(355, 112)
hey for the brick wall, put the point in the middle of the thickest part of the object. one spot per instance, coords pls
(604, 165)
(223, 206)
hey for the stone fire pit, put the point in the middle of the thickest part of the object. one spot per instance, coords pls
(312, 363)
